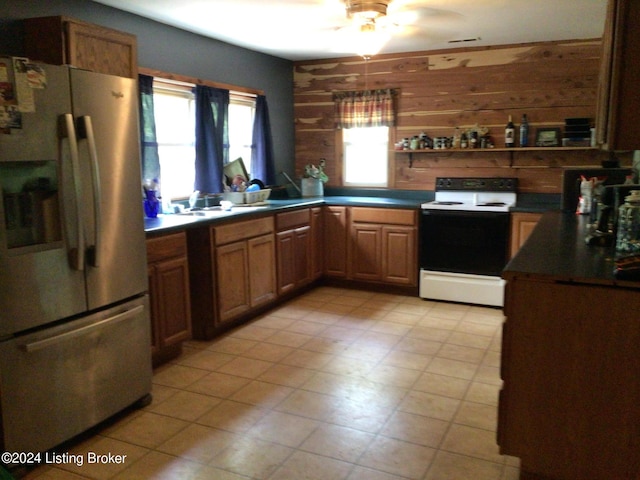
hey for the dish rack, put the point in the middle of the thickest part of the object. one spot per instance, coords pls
(247, 198)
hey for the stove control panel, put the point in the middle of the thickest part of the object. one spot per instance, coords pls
(477, 184)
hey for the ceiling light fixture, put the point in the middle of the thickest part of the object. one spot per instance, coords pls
(369, 10)
(368, 40)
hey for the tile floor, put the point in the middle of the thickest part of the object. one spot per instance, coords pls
(336, 384)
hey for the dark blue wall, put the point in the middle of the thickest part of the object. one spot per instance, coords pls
(177, 51)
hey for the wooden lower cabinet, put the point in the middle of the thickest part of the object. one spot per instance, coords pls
(522, 224)
(168, 271)
(293, 250)
(383, 245)
(335, 241)
(569, 404)
(245, 267)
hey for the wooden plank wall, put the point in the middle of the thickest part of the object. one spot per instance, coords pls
(441, 90)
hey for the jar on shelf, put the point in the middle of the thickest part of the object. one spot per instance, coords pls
(628, 234)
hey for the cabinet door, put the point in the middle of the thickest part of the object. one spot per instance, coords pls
(286, 267)
(153, 308)
(261, 270)
(522, 224)
(302, 254)
(232, 273)
(172, 300)
(399, 255)
(335, 241)
(317, 258)
(366, 252)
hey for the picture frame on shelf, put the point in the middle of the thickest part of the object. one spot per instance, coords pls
(548, 137)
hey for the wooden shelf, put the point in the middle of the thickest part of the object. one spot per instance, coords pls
(514, 149)
(511, 151)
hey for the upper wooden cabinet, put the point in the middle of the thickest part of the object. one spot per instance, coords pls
(618, 102)
(66, 41)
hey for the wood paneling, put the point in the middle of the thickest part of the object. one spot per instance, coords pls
(440, 90)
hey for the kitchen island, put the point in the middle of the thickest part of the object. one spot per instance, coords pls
(570, 359)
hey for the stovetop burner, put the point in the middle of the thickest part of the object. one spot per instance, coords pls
(474, 194)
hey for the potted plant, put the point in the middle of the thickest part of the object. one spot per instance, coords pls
(314, 179)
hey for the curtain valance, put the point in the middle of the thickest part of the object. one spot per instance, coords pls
(365, 108)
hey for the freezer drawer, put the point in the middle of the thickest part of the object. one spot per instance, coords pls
(58, 382)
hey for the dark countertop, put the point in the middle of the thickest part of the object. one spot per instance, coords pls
(556, 250)
(174, 222)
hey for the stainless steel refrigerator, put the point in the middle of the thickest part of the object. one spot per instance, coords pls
(74, 321)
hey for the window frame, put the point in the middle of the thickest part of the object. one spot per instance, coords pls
(340, 167)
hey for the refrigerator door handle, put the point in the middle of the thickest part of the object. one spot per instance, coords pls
(67, 129)
(85, 131)
(47, 342)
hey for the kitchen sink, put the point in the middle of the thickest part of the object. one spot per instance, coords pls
(218, 211)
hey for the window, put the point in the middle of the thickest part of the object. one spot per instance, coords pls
(365, 159)
(174, 105)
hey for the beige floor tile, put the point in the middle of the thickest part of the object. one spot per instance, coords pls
(335, 308)
(274, 322)
(429, 333)
(360, 414)
(303, 403)
(306, 327)
(287, 375)
(205, 360)
(486, 374)
(245, 367)
(269, 352)
(430, 405)
(218, 384)
(483, 393)
(262, 394)
(453, 368)
(290, 310)
(148, 430)
(198, 443)
(51, 473)
(402, 318)
(477, 415)
(326, 318)
(186, 405)
(231, 345)
(368, 312)
(418, 345)
(414, 361)
(442, 385)
(232, 416)
(283, 428)
(251, 457)
(449, 466)
(289, 339)
(253, 331)
(377, 339)
(84, 460)
(394, 376)
(309, 358)
(303, 465)
(417, 429)
(177, 376)
(160, 466)
(472, 442)
(473, 328)
(469, 340)
(346, 444)
(397, 457)
(362, 473)
(462, 353)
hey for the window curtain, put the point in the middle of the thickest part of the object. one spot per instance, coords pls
(366, 108)
(148, 141)
(262, 157)
(212, 137)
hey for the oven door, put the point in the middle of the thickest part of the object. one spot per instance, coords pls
(464, 241)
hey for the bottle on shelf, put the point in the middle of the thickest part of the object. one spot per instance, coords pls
(524, 131)
(509, 134)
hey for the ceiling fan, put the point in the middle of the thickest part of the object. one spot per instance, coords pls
(372, 23)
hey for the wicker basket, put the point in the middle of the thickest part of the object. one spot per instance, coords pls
(247, 198)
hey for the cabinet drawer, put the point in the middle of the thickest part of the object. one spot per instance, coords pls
(167, 246)
(288, 220)
(389, 216)
(233, 232)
